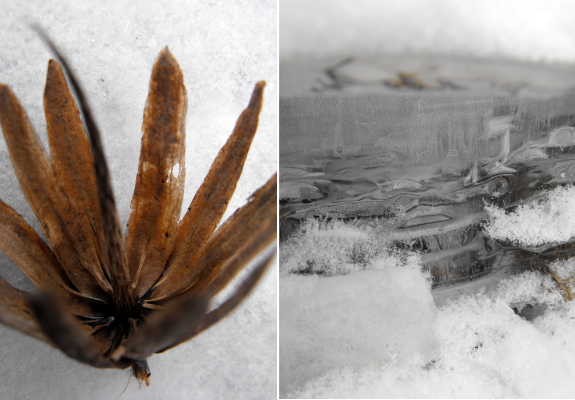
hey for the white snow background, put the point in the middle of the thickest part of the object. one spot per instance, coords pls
(337, 344)
(223, 48)
(528, 30)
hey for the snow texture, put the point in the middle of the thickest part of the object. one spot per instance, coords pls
(353, 321)
(223, 48)
(530, 30)
(337, 248)
(548, 221)
(335, 331)
(479, 347)
(337, 325)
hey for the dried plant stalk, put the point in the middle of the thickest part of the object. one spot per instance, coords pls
(564, 286)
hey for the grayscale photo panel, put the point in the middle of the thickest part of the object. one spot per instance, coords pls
(426, 199)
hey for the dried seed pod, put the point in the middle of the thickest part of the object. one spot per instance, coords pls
(101, 303)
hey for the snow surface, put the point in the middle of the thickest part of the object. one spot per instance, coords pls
(335, 334)
(223, 48)
(486, 351)
(529, 30)
(337, 326)
(353, 321)
(548, 221)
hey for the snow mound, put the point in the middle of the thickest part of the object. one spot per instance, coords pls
(548, 221)
(339, 248)
(485, 351)
(358, 320)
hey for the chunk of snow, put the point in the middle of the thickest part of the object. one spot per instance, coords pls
(358, 320)
(547, 221)
(485, 350)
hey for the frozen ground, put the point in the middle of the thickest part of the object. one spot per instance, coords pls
(340, 338)
(223, 48)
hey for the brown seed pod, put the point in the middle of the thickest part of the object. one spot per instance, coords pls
(112, 302)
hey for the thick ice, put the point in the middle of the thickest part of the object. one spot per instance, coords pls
(485, 348)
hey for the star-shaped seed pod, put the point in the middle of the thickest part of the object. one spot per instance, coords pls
(103, 300)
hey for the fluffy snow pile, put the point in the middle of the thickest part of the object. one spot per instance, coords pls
(336, 248)
(548, 221)
(376, 332)
(473, 347)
